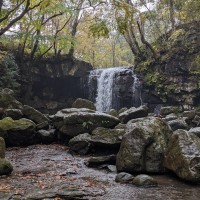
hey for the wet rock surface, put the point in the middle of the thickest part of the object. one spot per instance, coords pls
(183, 155)
(50, 172)
(143, 146)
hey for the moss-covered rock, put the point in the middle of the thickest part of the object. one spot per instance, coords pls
(144, 180)
(2, 148)
(34, 114)
(14, 113)
(143, 146)
(74, 121)
(17, 132)
(7, 99)
(169, 109)
(83, 103)
(133, 113)
(5, 167)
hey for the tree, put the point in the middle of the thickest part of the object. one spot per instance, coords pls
(10, 16)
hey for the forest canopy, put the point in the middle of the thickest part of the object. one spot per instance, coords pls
(104, 33)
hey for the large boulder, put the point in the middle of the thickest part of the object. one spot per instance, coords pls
(83, 103)
(17, 132)
(7, 99)
(170, 109)
(178, 124)
(183, 155)
(143, 146)
(80, 144)
(2, 148)
(74, 121)
(196, 131)
(133, 113)
(5, 167)
(14, 113)
(34, 114)
(101, 140)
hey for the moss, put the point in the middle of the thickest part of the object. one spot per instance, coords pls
(8, 123)
(5, 167)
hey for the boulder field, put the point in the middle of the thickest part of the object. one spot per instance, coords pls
(137, 141)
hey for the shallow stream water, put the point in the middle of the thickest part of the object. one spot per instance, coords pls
(51, 172)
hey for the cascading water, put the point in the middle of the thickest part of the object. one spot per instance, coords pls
(114, 88)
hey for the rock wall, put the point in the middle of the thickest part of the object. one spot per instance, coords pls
(52, 84)
(174, 77)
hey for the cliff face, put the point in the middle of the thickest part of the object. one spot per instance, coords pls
(51, 84)
(174, 78)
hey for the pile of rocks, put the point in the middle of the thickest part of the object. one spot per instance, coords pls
(132, 140)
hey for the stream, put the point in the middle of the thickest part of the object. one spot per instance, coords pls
(51, 172)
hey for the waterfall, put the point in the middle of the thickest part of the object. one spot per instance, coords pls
(114, 88)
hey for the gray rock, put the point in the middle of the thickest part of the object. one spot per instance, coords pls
(34, 114)
(113, 112)
(143, 146)
(170, 109)
(190, 114)
(5, 167)
(101, 140)
(107, 138)
(120, 126)
(80, 144)
(124, 177)
(47, 137)
(144, 180)
(83, 103)
(178, 124)
(2, 148)
(133, 113)
(196, 131)
(43, 125)
(122, 110)
(18, 132)
(8, 101)
(72, 122)
(100, 160)
(170, 117)
(183, 155)
(196, 120)
(14, 113)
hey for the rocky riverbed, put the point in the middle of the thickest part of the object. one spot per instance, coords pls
(51, 172)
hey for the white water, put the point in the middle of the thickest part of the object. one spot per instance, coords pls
(107, 87)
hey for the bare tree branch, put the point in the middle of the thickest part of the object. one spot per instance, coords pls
(26, 10)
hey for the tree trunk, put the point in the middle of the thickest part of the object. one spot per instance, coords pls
(171, 13)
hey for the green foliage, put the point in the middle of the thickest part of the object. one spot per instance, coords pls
(9, 71)
(99, 29)
(87, 124)
(176, 35)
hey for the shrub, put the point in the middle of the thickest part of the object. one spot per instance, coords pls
(8, 71)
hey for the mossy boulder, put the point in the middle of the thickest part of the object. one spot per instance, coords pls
(5, 167)
(34, 114)
(7, 99)
(143, 146)
(170, 109)
(106, 138)
(144, 180)
(102, 140)
(17, 132)
(133, 113)
(74, 121)
(183, 155)
(83, 103)
(2, 148)
(14, 113)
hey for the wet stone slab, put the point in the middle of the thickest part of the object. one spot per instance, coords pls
(50, 172)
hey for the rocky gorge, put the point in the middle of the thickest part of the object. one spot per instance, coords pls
(81, 153)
